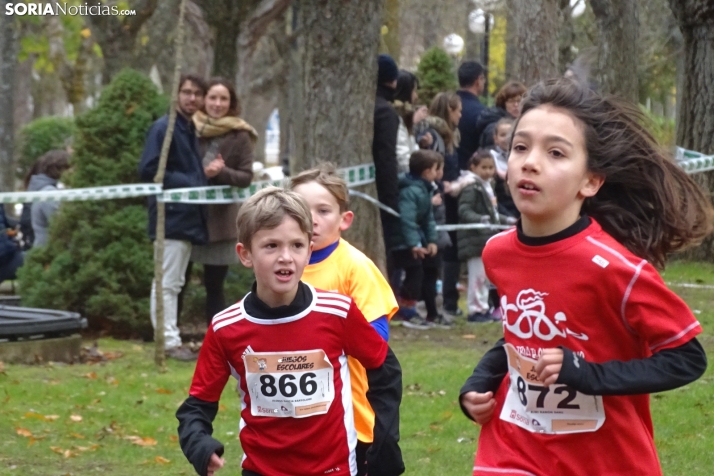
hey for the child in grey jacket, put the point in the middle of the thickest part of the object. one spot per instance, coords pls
(477, 204)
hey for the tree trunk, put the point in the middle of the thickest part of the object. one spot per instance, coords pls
(695, 128)
(391, 21)
(333, 71)
(566, 35)
(117, 36)
(617, 58)
(535, 40)
(511, 51)
(226, 18)
(8, 66)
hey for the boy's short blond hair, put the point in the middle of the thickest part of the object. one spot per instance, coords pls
(266, 210)
(326, 175)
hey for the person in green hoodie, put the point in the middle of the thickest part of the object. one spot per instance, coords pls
(416, 237)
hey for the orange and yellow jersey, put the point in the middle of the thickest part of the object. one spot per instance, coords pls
(348, 271)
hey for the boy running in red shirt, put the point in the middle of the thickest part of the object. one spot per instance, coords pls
(287, 345)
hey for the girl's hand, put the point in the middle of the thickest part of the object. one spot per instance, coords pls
(215, 463)
(479, 405)
(436, 200)
(426, 141)
(420, 114)
(214, 167)
(549, 365)
(432, 249)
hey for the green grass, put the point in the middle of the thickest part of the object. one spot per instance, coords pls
(125, 401)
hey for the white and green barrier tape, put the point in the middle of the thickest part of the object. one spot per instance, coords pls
(354, 176)
(81, 194)
(690, 161)
(694, 162)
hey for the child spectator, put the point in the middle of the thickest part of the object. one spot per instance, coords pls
(338, 266)
(417, 235)
(440, 132)
(52, 165)
(499, 151)
(477, 204)
(589, 327)
(432, 264)
(405, 99)
(286, 343)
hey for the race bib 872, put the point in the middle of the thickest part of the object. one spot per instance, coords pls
(294, 384)
(556, 409)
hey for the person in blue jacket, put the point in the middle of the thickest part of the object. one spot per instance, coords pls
(185, 223)
(11, 258)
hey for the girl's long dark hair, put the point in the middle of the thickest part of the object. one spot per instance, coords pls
(647, 202)
(406, 83)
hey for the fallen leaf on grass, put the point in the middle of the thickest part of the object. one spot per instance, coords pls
(77, 435)
(37, 416)
(137, 440)
(34, 440)
(173, 438)
(164, 391)
(222, 407)
(86, 448)
(75, 418)
(468, 336)
(113, 355)
(65, 453)
(162, 460)
(23, 432)
(51, 417)
(90, 375)
(112, 381)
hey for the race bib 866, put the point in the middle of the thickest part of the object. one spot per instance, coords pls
(289, 384)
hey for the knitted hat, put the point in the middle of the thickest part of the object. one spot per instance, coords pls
(388, 70)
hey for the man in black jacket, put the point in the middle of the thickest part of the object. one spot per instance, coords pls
(471, 84)
(185, 223)
(384, 150)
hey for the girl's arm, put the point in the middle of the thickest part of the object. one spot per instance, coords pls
(468, 205)
(665, 370)
(487, 375)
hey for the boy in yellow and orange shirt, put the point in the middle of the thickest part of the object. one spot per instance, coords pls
(336, 265)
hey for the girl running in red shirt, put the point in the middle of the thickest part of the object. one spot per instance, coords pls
(590, 329)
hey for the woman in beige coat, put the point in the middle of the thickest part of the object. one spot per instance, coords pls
(226, 143)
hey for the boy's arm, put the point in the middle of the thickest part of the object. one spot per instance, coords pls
(431, 235)
(197, 413)
(408, 218)
(665, 370)
(384, 377)
(384, 457)
(195, 418)
(488, 374)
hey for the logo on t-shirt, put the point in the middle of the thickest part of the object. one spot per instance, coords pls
(532, 319)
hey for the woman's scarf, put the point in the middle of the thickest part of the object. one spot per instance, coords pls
(209, 127)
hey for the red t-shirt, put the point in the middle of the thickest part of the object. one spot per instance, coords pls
(293, 382)
(590, 294)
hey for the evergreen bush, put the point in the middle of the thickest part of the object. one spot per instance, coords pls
(40, 136)
(99, 260)
(436, 74)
